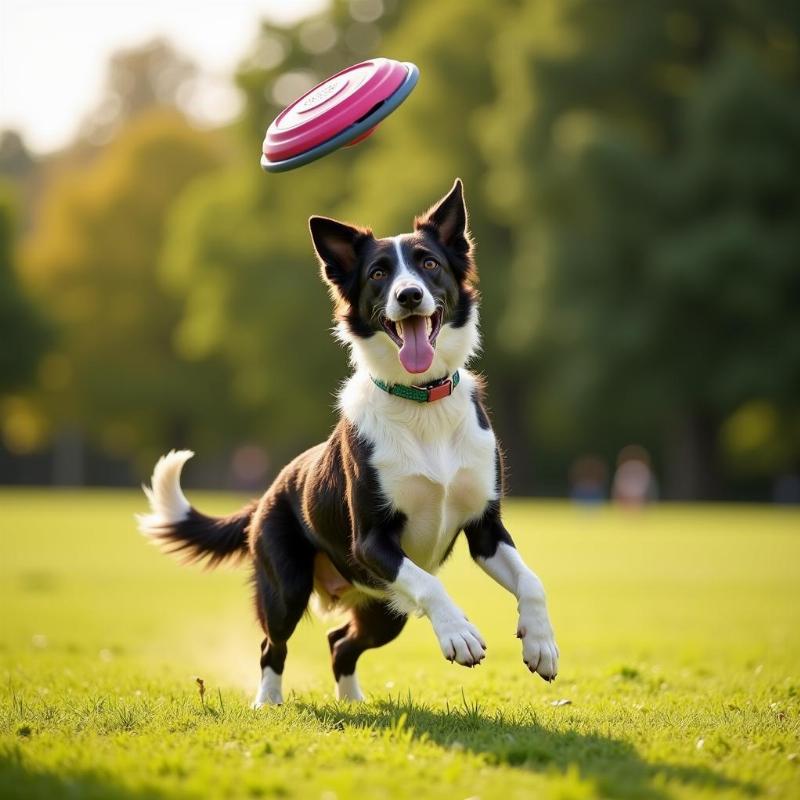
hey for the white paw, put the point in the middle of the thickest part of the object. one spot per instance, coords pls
(347, 688)
(269, 698)
(539, 649)
(270, 691)
(460, 641)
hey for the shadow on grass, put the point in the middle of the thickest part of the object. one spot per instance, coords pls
(19, 780)
(612, 765)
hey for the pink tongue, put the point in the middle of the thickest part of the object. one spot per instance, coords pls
(416, 354)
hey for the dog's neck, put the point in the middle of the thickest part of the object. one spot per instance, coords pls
(376, 414)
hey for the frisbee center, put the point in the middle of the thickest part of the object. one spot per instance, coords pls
(322, 94)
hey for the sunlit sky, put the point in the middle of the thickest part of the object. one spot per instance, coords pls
(53, 52)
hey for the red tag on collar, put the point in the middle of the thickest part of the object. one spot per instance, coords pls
(442, 390)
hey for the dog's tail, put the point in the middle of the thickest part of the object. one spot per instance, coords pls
(173, 524)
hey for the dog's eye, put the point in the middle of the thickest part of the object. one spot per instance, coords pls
(430, 263)
(378, 274)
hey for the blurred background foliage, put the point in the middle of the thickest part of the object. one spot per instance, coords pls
(631, 171)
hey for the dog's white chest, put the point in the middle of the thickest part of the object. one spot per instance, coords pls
(434, 463)
(439, 501)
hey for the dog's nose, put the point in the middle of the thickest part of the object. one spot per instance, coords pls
(410, 297)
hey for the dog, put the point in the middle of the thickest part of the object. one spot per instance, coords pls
(364, 520)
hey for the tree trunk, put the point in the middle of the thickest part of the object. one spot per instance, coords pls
(69, 458)
(510, 402)
(691, 470)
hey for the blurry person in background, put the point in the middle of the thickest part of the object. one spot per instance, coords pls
(588, 480)
(786, 489)
(634, 483)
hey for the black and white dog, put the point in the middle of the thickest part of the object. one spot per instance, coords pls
(365, 519)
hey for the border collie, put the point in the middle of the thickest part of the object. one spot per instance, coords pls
(364, 520)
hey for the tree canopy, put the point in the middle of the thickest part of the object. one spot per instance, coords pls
(656, 222)
(630, 173)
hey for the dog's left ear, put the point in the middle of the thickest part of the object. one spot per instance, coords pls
(447, 220)
(337, 245)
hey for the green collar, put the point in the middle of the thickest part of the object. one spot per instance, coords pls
(421, 394)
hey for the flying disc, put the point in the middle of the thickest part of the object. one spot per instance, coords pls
(341, 111)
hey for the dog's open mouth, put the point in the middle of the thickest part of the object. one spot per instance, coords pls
(415, 335)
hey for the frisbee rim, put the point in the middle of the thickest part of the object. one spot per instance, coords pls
(351, 131)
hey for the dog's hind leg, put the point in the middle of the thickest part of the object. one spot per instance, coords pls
(284, 577)
(372, 624)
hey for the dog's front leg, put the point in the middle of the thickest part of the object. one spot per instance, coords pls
(413, 590)
(493, 549)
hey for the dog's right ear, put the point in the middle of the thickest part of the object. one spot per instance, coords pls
(447, 220)
(337, 245)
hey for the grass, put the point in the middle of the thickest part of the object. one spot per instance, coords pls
(680, 674)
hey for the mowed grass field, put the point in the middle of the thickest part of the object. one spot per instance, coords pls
(679, 630)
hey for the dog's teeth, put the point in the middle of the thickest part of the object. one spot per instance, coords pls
(428, 325)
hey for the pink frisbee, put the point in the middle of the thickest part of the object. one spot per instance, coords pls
(340, 111)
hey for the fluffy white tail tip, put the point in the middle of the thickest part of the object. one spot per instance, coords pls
(168, 505)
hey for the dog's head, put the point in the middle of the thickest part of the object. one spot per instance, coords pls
(406, 305)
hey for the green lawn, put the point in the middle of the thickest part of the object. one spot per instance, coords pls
(679, 631)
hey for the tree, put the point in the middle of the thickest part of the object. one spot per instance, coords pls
(23, 333)
(92, 259)
(141, 79)
(652, 163)
(16, 162)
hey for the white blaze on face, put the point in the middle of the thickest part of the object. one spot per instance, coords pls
(404, 279)
(413, 326)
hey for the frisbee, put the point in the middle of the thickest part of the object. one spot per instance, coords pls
(341, 111)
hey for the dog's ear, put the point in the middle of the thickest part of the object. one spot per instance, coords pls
(447, 220)
(337, 245)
